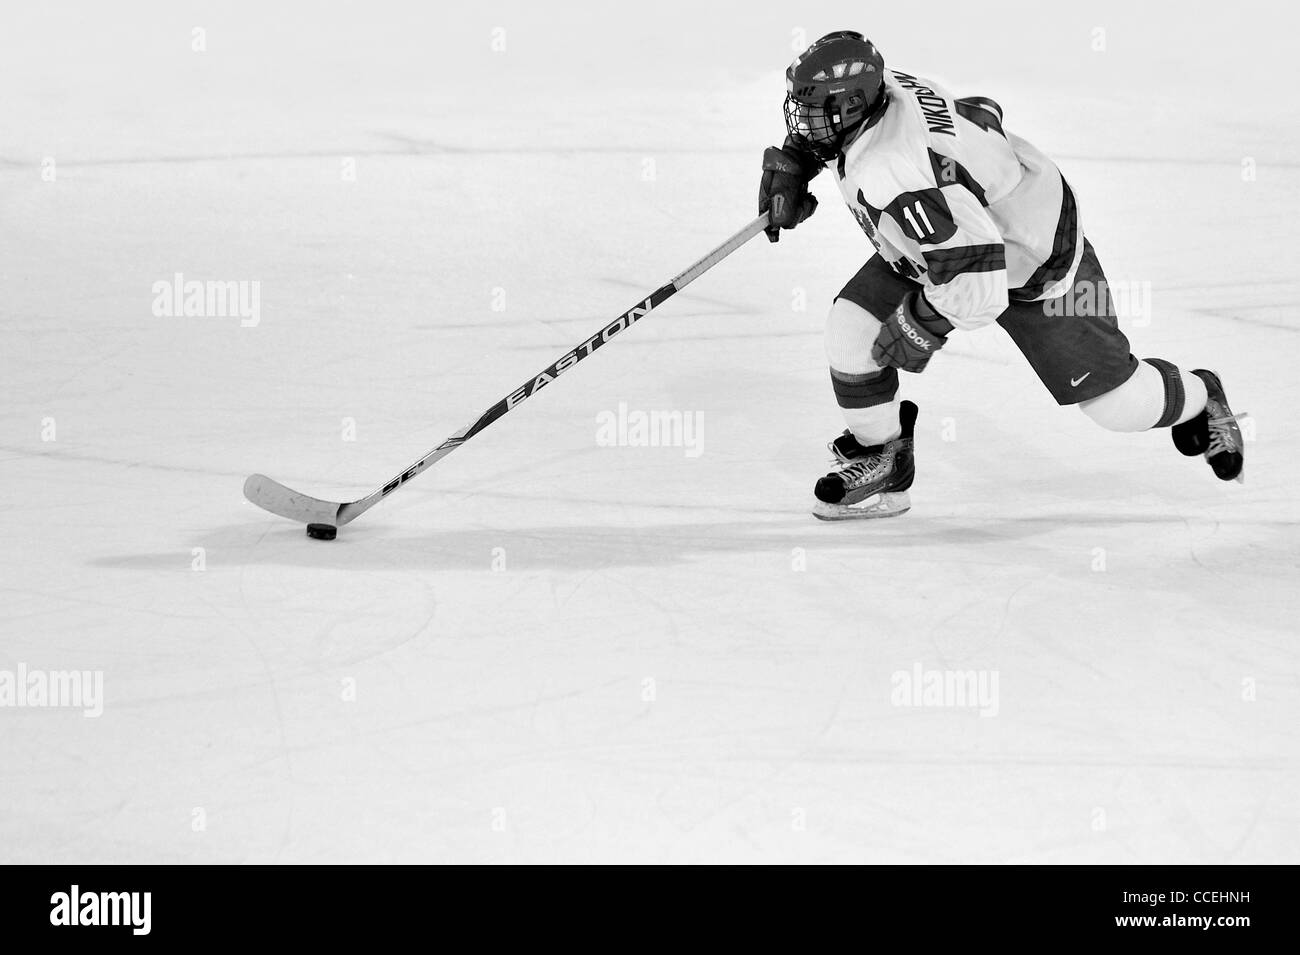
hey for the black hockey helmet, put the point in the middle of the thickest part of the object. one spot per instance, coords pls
(831, 88)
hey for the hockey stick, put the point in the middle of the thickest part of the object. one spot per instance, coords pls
(271, 495)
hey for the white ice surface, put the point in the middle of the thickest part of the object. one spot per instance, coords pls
(502, 715)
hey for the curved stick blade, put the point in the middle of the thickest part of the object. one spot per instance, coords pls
(271, 495)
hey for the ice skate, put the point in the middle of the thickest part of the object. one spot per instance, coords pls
(872, 482)
(1214, 432)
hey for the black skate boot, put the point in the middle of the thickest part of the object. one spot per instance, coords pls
(872, 481)
(1213, 432)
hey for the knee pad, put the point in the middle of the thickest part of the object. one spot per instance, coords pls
(1135, 405)
(850, 332)
(858, 381)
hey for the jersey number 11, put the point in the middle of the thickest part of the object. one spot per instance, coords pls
(921, 233)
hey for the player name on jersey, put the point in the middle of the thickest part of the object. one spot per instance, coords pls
(934, 106)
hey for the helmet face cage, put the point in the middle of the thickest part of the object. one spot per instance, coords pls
(815, 126)
(831, 89)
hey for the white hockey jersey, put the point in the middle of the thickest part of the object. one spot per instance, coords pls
(976, 214)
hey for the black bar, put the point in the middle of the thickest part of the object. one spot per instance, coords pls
(919, 907)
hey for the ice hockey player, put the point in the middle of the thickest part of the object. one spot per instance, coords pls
(971, 225)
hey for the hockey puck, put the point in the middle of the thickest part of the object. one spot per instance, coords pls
(322, 532)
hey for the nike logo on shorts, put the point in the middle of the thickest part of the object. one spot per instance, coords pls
(1076, 382)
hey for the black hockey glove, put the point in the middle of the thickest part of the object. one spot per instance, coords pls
(911, 335)
(784, 187)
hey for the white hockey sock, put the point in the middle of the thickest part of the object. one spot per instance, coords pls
(850, 331)
(1157, 395)
(1194, 397)
(874, 425)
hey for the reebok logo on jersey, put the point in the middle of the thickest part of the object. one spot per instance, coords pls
(1076, 382)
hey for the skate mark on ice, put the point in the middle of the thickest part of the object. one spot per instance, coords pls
(61, 454)
(1258, 322)
(659, 342)
(414, 148)
(724, 306)
(1185, 160)
(271, 683)
(591, 319)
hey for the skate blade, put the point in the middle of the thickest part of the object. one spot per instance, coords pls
(889, 504)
